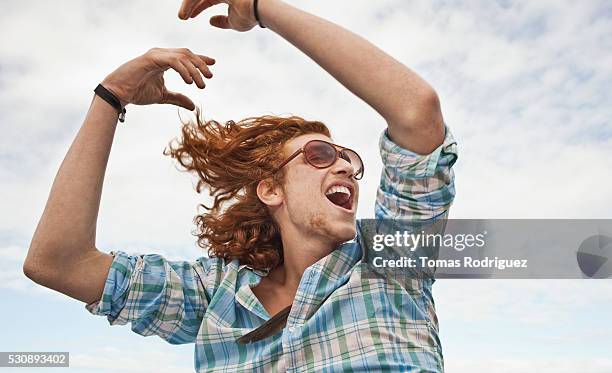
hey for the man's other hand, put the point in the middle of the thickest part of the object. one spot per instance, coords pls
(141, 80)
(240, 15)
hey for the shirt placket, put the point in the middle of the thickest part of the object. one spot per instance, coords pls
(302, 305)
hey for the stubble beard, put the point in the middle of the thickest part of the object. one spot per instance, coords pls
(320, 225)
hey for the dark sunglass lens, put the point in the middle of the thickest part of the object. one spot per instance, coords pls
(320, 153)
(354, 160)
(344, 155)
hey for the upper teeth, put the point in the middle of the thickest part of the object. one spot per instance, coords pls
(338, 189)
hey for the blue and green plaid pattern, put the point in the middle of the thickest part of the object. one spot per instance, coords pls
(341, 320)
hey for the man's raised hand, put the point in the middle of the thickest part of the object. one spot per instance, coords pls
(141, 80)
(240, 15)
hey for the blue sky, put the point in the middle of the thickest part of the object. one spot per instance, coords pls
(524, 87)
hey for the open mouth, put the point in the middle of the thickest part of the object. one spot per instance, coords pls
(340, 195)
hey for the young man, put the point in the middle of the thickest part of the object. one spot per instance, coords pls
(281, 246)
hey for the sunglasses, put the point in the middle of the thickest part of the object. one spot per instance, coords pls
(323, 154)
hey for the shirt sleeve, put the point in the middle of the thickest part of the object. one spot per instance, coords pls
(413, 186)
(157, 296)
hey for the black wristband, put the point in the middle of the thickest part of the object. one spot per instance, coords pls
(257, 14)
(113, 101)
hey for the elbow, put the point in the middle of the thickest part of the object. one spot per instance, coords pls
(419, 127)
(423, 114)
(32, 271)
(29, 271)
(417, 112)
(431, 101)
(42, 274)
(38, 269)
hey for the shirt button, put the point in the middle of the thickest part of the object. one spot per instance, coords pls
(291, 329)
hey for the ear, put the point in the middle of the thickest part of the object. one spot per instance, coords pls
(269, 194)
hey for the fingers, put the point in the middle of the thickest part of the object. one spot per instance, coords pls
(194, 73)
(220, 22)
(206, 59)
(192, 67)
(191, 8)
(203, 67)
(180, 68)
(186, 7)
(178, 99)
(202, 6)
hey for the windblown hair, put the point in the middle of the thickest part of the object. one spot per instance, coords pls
(230, 159)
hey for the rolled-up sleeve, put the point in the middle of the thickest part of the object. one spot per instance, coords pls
(414, 186)
(159, 297)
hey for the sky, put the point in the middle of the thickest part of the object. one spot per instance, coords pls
(524, 87)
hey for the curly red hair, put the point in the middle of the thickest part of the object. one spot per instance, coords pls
(230, 159)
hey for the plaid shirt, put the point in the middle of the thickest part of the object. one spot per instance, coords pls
(340, 320)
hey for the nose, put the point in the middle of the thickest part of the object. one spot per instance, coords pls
(342, 167)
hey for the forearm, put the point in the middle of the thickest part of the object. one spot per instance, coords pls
(392, 89)
(67, 228)
(63, 255)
